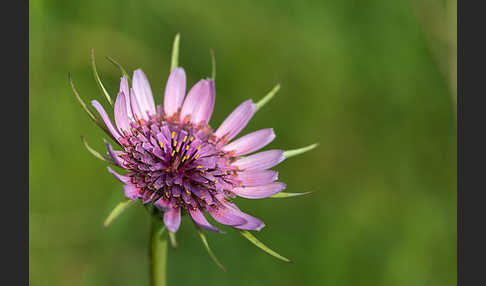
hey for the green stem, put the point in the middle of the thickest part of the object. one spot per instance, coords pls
(158, 253)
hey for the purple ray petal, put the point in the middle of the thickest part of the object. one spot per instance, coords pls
(259, 192)
(122, 119)
(126, 91)
(148, 196)
(188, 199)
(236, 121)
(162, 205)
(112, 154)
(253, 223)
(122, 161)
(143, 92)
(260, 161)
(138, 114)
(199, 102)
(158, 183)
(250, 142)
(206, 107)
(106, 119)
(202, 194)
(124, 86)
(131, 192)
(257, 177)
(176, 191)
(225, 216)
(172, 219)
(200, 220)
(175, 90)
(121, 178)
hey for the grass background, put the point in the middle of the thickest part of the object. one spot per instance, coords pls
(372, 81)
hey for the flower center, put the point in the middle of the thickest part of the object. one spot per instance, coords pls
(176, 163)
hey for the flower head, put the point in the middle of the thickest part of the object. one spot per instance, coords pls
(179, 163)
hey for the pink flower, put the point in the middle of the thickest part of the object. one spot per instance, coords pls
(178, 163)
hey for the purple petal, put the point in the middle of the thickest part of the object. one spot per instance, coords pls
(112, 154)
(252, 223)
(236, 121)
(162, 205)
(202, 194)
(199, 102)
(121, 178)
(225, 216)
(257, 177)
(124, 86)
(259, 192)
(200, 220)
(250, 142)
(175, 90)
(106, 119)
(176, 191)
(148, 196)
(122, 161)
(131, 192)
(121, 114)
(138, 114)
(143, 92)
(126, 91)
(172, 219)
(260, 161)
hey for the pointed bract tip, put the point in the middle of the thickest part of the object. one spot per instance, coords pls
(98, 79)
(174, 62)
(116, 212)
(213, 64)
(208, 249)
(94, 152)
(83, 105)
(246, 234)
(288, 195)
(117, 65)
(295, 152)
(268, 97)
(173, 241)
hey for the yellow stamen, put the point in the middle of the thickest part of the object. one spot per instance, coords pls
(192, 138)
(175, 143)
(199, 167)
(198, 147)
(173, 134)
(185, 138)
(173, 152)
(187, 147)
(196, 156)
(178, 148)
(161, 145)
(184, 159)
(187, 192)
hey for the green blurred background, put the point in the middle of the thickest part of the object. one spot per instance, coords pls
(372, 81)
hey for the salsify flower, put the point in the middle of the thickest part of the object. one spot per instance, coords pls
(176, 162)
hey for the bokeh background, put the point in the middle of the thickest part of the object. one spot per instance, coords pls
(372, 81)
